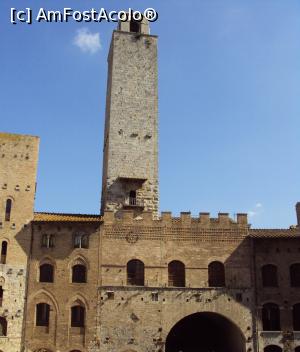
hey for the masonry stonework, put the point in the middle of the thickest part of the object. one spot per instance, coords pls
(130, 279)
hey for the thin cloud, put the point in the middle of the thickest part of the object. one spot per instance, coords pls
(86, 41)
(258, 209)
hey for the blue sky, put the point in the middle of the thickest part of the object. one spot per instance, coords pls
(229, 104)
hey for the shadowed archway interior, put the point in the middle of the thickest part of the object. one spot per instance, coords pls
(205, 332)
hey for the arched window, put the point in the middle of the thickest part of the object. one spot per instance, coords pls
(1, 296)
(269, 275)
(295, 275)
(8, 209)
(3, 252)
(296, 317)
(3, 326)
(135, 273)
(81, 240)
(176, 274)
(77, 316)
(135, 26)
(272, 348)
(46, 273)
(271, 317)
(42, 314)
(216, 274)
(79, 273)
(48, 241)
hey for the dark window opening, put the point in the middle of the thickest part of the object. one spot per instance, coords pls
(1, 296)
(295, 275)
(42, 314)
(46, 273)
(77, 316)
(216, 274)
(8, 209)
(132, 198)
(269, 275)
(3, 327)
(272, 348)
(79, 273)
(135, 26)
(297, 349)
(3, 252)
(81, 241)
(271, 317)
(135, 273)
(296, 317)
(176, 274)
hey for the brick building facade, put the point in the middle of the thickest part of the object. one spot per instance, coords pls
(130, 279)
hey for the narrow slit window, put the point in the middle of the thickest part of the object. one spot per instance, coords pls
(8, 209)
(1, 296)
(3, 252)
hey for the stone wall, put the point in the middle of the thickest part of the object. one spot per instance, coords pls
(62, 293)
(18, 167)
(130, 141)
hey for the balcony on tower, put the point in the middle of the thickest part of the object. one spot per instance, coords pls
(132, 187)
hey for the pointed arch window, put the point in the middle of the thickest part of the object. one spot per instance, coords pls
(8, 208)
(42, 314)
(46, 273)
(77, 316)
(79, 273)
(216, 274)
(176, 274)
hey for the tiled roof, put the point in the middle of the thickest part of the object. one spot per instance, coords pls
(61, 217)
(275, 233)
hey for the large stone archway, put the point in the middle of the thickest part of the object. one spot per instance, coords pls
(205, 332)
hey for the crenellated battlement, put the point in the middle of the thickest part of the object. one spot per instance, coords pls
(204, 220)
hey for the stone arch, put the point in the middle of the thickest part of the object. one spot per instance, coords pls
(42, 350)
(48, 297)
(205, 331)
(78, 298)
(272, 348)
(78, 259)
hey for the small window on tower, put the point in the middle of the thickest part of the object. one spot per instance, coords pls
(132, 198)
(135, 26)
(8, 209)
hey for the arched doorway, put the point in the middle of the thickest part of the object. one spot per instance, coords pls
(205, 332)
(272, 348)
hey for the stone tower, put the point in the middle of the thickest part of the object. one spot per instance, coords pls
(18, 166)
(130, 160)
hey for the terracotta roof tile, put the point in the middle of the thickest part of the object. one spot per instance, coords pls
(275, 233)
(62, 217)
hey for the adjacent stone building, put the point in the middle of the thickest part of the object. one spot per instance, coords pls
(131, 279)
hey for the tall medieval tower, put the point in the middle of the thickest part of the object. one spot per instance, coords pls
(130, 159)
(18, 168)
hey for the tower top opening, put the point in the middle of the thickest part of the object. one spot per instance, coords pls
(134, 26)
